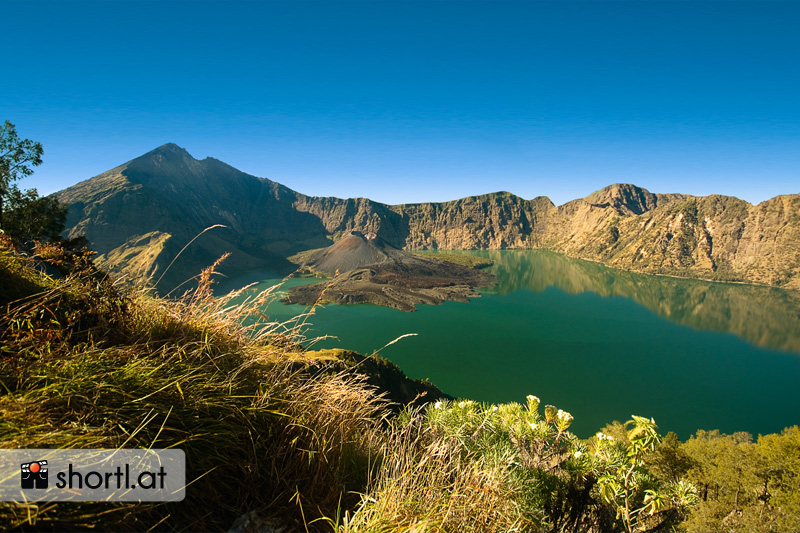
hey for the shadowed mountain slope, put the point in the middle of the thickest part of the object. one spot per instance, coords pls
(138, 217)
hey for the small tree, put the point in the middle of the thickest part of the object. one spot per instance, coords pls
(626, 483)
(30, 217)
(17, 157)
(24, 214)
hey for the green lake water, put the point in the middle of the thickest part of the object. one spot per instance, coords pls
(600, 343)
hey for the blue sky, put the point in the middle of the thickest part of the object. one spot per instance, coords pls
(409, 101)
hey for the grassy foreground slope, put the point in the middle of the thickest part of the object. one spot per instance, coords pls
(87, 364)
(288, 437)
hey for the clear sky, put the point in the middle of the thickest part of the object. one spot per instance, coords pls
(409, 101)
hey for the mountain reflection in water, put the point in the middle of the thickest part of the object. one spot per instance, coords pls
(764, 316)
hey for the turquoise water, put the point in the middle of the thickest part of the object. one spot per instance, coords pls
(600, 343)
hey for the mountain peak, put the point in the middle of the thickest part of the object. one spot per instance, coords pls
(167, 164)
(354, 250)
(170, 150)
(621, 189)
(624, 197)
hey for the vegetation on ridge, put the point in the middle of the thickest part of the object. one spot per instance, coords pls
(86, 363)
(23, 214)
(457, 258)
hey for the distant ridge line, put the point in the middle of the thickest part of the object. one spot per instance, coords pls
(139, 213)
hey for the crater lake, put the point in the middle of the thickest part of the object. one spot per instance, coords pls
(601, 343)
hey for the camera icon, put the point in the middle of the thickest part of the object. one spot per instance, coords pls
(33, 475)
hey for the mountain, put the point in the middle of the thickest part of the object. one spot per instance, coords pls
(356, 250)
(140, 215)
(366, 268)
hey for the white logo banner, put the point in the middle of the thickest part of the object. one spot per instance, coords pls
(92, 475)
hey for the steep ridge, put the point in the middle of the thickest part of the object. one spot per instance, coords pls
(139, 215)
(715, 237)
(587, 227)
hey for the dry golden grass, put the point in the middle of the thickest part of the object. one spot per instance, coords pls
(265, 424)
(431, 480)
(87, 363)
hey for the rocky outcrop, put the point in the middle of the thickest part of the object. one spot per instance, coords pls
(714, 237)
(140, 215)
(498, 220)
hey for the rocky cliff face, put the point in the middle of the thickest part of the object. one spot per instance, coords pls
(139, 216)
(714, 237)
(499, 220)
